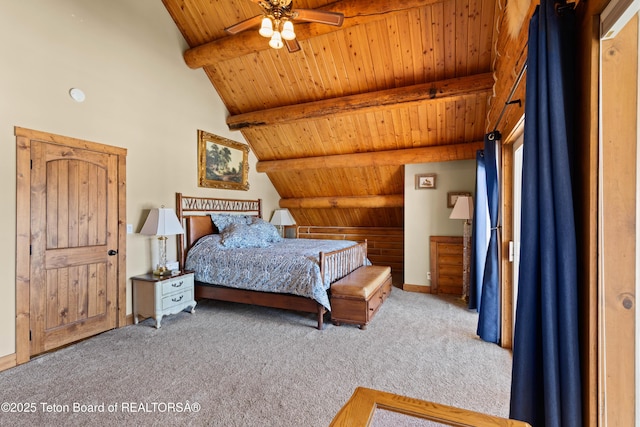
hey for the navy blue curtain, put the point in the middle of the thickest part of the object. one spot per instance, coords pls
(480, 227)
(489, 310)
(545, 389)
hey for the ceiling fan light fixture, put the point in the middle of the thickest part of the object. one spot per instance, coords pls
(276, 40)
(266, 29)
(287, 31)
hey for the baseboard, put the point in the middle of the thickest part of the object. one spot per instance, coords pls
(416, 288)
(7, 362)
(129, 320)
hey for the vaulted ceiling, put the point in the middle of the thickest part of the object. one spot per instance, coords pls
(334, 123)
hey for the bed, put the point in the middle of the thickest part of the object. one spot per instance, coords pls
(236, 257)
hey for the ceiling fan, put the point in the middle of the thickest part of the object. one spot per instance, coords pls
(277, 22)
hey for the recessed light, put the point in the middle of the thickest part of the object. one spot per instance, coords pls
(77, 94)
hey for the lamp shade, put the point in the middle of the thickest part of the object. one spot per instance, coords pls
(463, 209)
(276, 40)
(287, 31)
(266, 29)
(162, 222)
(282, 217)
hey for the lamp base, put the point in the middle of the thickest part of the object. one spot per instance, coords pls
(162, 271)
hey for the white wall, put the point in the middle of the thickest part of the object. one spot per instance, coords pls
(127, 57)
(426, 213)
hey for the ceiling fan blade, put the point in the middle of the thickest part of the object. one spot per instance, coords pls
(244, 25)
(319, 16)
(292, 45)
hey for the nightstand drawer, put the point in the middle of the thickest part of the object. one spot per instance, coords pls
(176, 299)
(177, 284)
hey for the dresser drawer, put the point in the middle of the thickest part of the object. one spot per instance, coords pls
(177, 284)
(379, 297)
(177, 299)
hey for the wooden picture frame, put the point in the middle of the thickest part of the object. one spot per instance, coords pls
(222, 163)
(452, 197)
(425, 181)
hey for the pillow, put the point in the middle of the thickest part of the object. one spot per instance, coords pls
(243, 236)
(267, 230)
(222, 221)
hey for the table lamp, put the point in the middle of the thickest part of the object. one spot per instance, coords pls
(463, 209)
(162, 222)
(280, 218)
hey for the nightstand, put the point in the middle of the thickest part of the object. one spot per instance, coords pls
(158, 296)
(290, 231)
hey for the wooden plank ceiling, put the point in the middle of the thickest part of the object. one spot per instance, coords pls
(334, 123)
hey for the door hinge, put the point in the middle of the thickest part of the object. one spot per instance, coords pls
(30, 248)
(29, 334)
(31, 164)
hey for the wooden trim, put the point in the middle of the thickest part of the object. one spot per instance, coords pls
(7, 362)
(23, 241)
(451, 90)
(439, 153)
(121, 300)
(506, 270)
(421, 289)
(71, 142)
(587, 221)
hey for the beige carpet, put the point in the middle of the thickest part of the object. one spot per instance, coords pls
(237, 365)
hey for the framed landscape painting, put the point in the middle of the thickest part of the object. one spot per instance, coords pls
(222, 163)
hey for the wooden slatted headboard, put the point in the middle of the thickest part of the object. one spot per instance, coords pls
(193, 215)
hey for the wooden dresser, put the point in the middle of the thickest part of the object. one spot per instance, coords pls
(446, 264)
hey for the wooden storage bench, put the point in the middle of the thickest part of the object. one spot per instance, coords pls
(357, 297)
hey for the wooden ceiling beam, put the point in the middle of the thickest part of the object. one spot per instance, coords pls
(344, 202)
(436, 153)
(360, 103)
(356, 12)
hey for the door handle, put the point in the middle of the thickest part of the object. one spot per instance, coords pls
(112, 252)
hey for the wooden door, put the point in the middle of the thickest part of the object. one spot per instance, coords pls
(74, 240)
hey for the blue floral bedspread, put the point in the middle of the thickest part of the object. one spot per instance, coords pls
(290, 266)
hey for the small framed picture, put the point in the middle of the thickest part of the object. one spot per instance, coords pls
(452, 197)
(425, 181)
